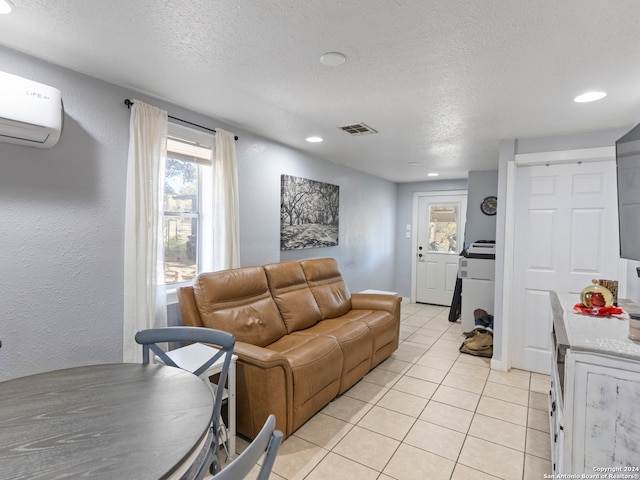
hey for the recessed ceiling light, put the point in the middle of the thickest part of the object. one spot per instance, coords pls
(5, 7)
(333, 59)
(314, 139)
(589, 97)
(432, 174)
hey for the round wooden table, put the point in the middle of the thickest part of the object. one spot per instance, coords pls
(121, 421)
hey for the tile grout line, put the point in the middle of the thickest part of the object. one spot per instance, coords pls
(447, 335)
(475, 412)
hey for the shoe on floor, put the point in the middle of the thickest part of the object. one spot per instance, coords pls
(484, 352)
(470, 333)
(473, 333)
(482, 339)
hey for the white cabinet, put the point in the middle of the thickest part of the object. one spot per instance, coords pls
(606, 430)
(595, 393)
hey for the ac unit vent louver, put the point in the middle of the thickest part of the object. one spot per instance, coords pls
(358, 129)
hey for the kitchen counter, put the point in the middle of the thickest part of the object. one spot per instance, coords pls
(591, 334)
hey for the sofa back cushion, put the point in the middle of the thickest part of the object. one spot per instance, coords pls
(293, 296)
(239, 301)
(328, 288)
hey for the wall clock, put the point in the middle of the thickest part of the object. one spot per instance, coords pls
(489, 205)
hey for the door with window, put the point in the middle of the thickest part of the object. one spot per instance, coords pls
(440, 234)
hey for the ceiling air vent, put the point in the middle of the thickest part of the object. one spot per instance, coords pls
(358, 129)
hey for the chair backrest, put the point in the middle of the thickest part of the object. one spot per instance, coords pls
(267, 440)
(223, 341)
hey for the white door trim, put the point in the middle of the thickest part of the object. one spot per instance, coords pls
(414, 227)
(504, 296)
(527, 159)
(596, 154)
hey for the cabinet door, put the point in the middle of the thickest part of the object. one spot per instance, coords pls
(606, 428)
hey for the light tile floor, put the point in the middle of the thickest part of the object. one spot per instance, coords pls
(426, 413)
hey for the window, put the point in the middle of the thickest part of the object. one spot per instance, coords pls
(443, 228)
(187, 188)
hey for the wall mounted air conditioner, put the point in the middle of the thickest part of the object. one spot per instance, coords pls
(30, 113)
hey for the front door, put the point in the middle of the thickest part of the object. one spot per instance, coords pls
(566, 233)
(440, 235)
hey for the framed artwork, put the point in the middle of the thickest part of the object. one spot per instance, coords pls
(308, 213)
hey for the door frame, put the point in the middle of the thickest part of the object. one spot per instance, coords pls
(414, 230)
(595, 154)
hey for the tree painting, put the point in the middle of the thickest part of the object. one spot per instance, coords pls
(308, 213)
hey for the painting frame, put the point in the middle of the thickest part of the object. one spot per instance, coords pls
(309, 213)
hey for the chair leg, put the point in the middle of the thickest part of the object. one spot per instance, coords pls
(215, 464)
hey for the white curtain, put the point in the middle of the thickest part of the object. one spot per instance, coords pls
(226, 217)
(144, 290)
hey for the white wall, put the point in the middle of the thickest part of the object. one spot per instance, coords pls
(366, 244)
(62, 217)
(480, 226)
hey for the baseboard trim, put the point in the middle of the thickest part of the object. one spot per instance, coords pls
(497, 364)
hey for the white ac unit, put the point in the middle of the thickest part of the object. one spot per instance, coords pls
(30, 113)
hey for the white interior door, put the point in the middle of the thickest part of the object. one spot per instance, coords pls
(440, 234)
(566, 233)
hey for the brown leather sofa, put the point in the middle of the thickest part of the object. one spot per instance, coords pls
(301, 337)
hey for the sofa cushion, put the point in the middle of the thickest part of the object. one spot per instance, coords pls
(292, 295)
(239, 301)
(356, 342)
(383, 326)
(328, 288)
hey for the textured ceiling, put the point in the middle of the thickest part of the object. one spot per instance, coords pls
(441, 81)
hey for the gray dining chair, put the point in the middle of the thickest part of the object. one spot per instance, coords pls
(223, 343)
(269, 440)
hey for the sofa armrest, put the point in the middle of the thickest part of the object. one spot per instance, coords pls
(259, 357)
(188, 308)
(264, 387)
(376, 301)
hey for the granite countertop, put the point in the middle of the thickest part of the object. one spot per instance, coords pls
(601, 335)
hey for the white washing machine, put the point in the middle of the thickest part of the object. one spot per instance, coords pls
(477, 271)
